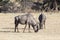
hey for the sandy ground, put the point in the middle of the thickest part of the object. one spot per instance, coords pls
(51, 32)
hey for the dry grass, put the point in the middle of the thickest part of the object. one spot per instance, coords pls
(52, 31)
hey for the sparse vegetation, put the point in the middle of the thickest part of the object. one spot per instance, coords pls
(32, 5)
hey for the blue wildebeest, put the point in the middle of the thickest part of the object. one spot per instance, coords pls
(26, 19)
(42, 20)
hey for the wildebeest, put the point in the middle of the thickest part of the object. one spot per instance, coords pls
(26, 19)
(42, 20)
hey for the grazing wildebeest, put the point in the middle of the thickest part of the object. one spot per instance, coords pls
(42, 20)
(26, 19)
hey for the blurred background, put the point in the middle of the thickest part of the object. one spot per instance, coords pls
(22, 6)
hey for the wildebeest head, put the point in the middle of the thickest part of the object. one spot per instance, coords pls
(35, 27)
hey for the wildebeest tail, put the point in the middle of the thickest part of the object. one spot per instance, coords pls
(15, 21)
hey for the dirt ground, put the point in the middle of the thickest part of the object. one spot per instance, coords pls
(51, 32)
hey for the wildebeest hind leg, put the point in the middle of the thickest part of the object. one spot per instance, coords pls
(29, 28)
(40, 25)
(16, 25)
(44, 24)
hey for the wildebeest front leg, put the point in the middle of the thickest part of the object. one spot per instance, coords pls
(25, 28)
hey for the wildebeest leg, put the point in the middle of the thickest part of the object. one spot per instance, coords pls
(29, 28)
(16, 27)
(25, 28)
(41, 25)
(44, 24)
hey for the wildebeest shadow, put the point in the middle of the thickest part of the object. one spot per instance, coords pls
(6, 31)
(11, 30)
(18, 28)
